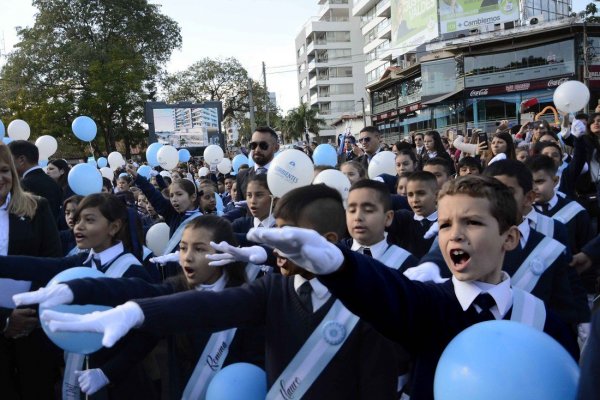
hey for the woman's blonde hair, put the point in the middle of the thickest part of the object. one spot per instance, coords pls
(21, 202)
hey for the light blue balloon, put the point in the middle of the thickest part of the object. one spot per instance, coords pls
(102, 162)
(84, 128)
(6, 140)
(75, 342)
(238, 161)
(2, 129)
(144, 171)
(151, 153)
(325, 154)
(238, 381)
(496, 360)
(184, 155)
(85, 179)
(43, 163)
(91, 161)
(220, 206)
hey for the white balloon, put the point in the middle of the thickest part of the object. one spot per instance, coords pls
(167, 157)
(383, 162)
(165, 174)
(290, 170)
(224, 166)
(213, 154)
(203, 171)
(47, 146)
(336, 180)
(571, 96)
(107, 173)
(157, 238)
(115, 160)
(18, 130)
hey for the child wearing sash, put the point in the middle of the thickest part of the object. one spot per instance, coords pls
(408, 228)
(67, 237)
(315, 348)
(260, 204)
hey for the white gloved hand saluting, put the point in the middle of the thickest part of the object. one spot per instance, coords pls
(47, 297)
(230, 254)
(113, 324)
(433, 230)
(242, 203)
(91, 380)
(305, 247)
(171, 257)
(426, 272)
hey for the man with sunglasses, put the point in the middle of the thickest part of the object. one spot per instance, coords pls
(369, 139)
(264, 146)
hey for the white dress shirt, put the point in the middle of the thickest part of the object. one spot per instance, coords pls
(431, 217)
(319, 295)
(268, 222)
(4, 226)
(214, 287)
(266, 166)
(524, 231)
(107, 256)
(377, 249)
(467, 291)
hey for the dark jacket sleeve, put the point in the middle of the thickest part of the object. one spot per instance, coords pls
(573, 170)
(114, 291)
(40, 269)
(592, 249)
(46, 230)
(589, 384)
(162, 206)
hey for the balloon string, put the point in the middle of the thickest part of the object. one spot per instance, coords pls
(91, 149)
(87, 367)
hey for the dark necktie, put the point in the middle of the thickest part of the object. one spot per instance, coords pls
(544, 208)
(261, 170)
(96, 262)
(305, 292)
(485, 301)
(425, 223)
(367, 251)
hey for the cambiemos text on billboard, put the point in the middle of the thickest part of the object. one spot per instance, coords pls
(458, 15)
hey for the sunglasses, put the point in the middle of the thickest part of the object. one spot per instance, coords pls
(365, 139)
(262, 145)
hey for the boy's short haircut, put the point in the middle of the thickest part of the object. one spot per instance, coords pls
(541, 162)
(419, 134)
(513, 169)
(407, 152)
(503, 206)
(318, 205)
(539, 146)
(371, 130)
(423, 176)
(441, 162)
(470, 162)
(383, 193)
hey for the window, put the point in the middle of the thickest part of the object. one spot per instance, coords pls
(439, 77)
(342, 89)
(340, 72)
(341, 36)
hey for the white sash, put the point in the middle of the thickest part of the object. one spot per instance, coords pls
(176, 238)
(210, 362)
(528, 309)
(567, 213)
(75, 250)
(538, 261)
(146, 252)
(394, 256)
(545, 225)
(70, 387)
(316, 353)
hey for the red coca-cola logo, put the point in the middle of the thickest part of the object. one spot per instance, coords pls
(480, 92)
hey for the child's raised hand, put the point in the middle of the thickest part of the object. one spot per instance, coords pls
(305, 247)
(426, 272)
(46, 297)
(131, 170)
(171, 257)
(230, 254)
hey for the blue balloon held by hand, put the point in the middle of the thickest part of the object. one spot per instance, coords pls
(238, 381)
(84, 128)
(325, 154)
(85, 179)
(496, 360)
(144, 171)
(75, 342)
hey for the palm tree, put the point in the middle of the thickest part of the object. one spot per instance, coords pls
(299, 119)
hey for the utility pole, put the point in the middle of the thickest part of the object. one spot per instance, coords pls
(251, 107)
(266, 92)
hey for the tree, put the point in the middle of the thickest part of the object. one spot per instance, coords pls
(300, 118)
(97, 58)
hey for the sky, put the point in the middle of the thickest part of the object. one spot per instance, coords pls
(251, 31)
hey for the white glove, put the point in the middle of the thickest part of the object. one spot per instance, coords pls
(583, 333)
(153, 172)
(91, 380)
(497, 157)
(578, 128)
(432, 231)
(113, 324)
(47, 297)
(426, 272)
(230, 254)
(242, 203)
(305, 247)
(171, 257)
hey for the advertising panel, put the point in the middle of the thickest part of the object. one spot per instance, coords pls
(414, 22)
(459, 15)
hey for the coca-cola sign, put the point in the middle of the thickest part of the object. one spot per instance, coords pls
(556, 82)
(519, 87)
(479, 92)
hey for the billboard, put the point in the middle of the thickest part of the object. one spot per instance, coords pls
(414, 22)
(459, 15)
(185, 125)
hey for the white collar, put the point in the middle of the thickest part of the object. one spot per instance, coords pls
(377, 249)
(268, 222)
(4, 207)
(31, 169)
(266, 166)
(108, 255)
(318, 288)
(467, 291)
(189, 213)
(214, 287)
(552, 202)
(533, 216)
(431, 217)
(524, 230)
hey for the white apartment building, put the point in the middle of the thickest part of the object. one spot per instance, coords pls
(330, 59)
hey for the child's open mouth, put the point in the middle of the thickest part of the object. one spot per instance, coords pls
(460, 258)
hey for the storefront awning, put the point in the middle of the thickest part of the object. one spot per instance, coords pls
(443, 97)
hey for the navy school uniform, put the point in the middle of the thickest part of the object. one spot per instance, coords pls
(422, 317)
(549, 227)
(184, 352)
(406, 232)
(401, 260)
(365, 366)
(67, 241)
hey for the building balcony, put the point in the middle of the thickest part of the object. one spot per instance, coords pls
(312, 82)
(362, 6)
(384, 9)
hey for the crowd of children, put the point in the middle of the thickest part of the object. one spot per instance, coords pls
(334, 299)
